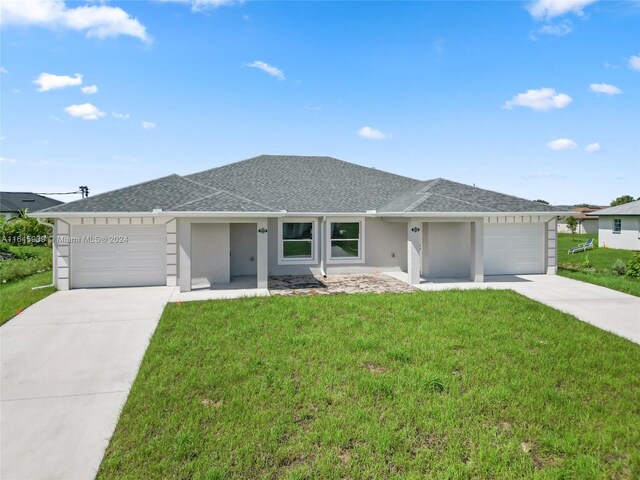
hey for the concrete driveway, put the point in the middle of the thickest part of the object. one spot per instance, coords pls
(68, 363)
(607, 309)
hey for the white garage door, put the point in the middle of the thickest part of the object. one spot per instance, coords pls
(513, 248)
(118, 256)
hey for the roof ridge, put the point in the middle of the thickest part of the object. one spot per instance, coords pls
(219, 191)
(192, 201)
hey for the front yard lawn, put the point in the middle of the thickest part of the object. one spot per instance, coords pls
(473, 384)
(27, 261)
(600, 271)
(18, 295)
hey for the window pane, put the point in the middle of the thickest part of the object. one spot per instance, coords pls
(296, 249)
(296, 231)
(345, 230)
(344, 248)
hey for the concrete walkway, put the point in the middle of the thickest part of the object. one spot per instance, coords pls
(607, 309)
(68, 363)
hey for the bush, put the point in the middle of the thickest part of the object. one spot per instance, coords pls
(28, 260)
(633, 266)
(619, 267)
(25, 231)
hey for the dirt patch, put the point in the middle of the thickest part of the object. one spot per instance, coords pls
(335, 284)
(375, 368)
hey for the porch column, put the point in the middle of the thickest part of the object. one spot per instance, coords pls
(262, 255)
(477, 251)
(413, 251)
(184, 241)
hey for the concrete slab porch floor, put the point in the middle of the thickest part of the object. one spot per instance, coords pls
(68, 363)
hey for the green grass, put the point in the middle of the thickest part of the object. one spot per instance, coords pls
(29, 260)
(473, 384)
(18, 295)
(601, 259)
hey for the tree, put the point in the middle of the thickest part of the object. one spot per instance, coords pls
(572, 224)
(622, 200)
(541, 201)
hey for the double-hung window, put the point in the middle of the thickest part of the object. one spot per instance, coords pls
(346, 241)
(617, 225)
(297, 244)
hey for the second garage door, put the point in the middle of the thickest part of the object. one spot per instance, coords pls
(118, 256)
(513, 248)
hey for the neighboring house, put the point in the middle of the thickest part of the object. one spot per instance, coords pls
(586, 224)
(619, 227)
(292, 215)
(12, 203)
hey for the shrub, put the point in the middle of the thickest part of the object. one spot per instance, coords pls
(24, 231)
(633, 266)
(619, 267)
(586, 263)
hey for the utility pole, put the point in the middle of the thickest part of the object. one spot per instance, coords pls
(84, 190)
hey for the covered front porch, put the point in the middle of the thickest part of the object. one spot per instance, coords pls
(444, 250)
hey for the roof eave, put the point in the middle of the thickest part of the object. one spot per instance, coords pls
(284, 213)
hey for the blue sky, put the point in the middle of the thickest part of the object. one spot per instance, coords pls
(504, 95)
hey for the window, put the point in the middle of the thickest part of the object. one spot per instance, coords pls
(296, 242)
(345, 242)
(617, 225)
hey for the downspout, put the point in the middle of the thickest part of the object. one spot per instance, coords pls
(53, 255)
(320, 243)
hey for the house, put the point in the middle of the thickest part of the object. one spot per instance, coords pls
(12, 203)
(585, 223)
(294, 215)
(619, 226)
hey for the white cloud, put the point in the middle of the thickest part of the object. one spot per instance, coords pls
(198, 5)
(86, 111)
(605, 88)
(634, 62)
(558, 30)
(372, 133)
(96, 20)
(562, 144)
(89, 89)
(610, 66)
(546, 9)
(7, 160)
(540, 99)
(120, 116)
(265, 67)
(148, 125)
(3, 70)
(593, 148)
(49, 81)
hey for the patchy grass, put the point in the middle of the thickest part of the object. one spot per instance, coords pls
(473, 384)
(601, 260)
(28, 260)
(18, 295)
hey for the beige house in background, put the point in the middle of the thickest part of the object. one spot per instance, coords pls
(586, 224)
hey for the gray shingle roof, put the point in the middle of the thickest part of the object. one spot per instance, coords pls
(631, 208)
(16, 201)
(271, 183)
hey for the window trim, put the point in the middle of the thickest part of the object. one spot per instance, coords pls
(613, 227)
(314, 242)
(361, 242)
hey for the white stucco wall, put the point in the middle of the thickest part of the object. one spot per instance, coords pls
(244, 246)
(210, 254)
(446, 250)
(627, 239)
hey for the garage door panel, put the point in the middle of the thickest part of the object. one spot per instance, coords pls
(513, 248)
(135, 257)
